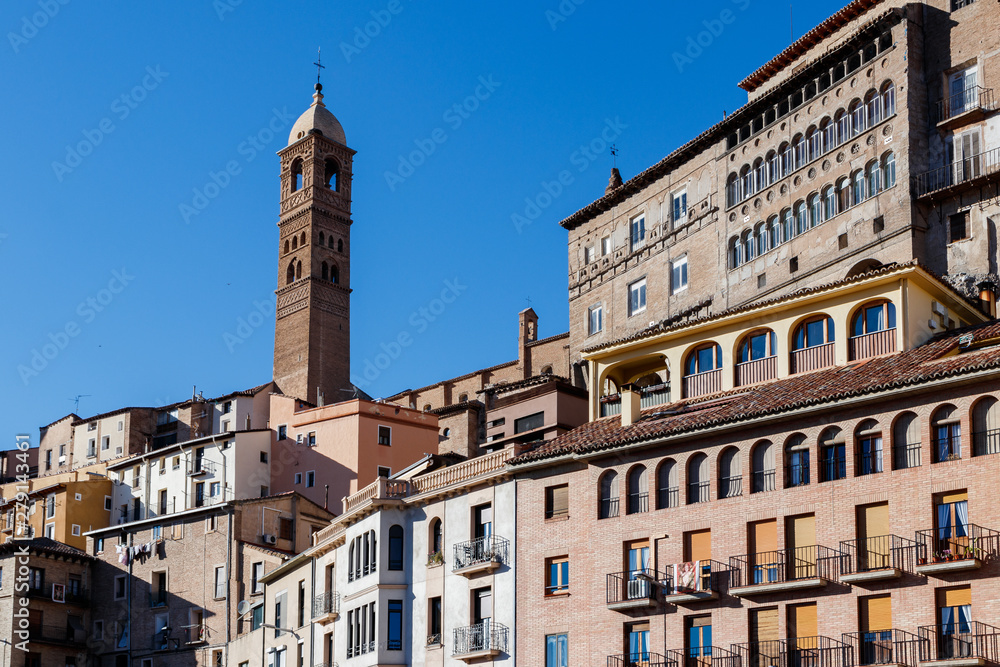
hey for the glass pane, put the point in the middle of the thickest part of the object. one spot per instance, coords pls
(814, 333)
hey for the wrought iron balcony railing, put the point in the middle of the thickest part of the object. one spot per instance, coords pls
(906, 455)
(986, 442)
(970, 99)
(763, 480)
(482, 550)
(785, 565)
(883, 647)
(487, 636)
(703, 578)
(885, 552)
(638, 586)
(960, 639)
(963, 541)
(961, 171)
(703, 656)
(326, 603)
(644, 659)
(794, 652)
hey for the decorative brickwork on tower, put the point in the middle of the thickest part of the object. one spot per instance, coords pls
(312, 341)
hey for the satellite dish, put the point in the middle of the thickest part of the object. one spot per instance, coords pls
(243, 607)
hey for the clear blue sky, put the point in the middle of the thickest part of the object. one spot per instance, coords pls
(158, 96)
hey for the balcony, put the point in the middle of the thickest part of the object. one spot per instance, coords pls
(647, 659)
(637, 503)
(326, 607)
(700, 384)
(986, 442)
(906, 455)
(877, 559)
(762, 480)
(755, 372)
(652, 396)
(969, 172)
(611, 405)
(63, 635)
(694, 582)
(703, 656)
(158, 599)
(965, 107)
(872, 344)
(699, 492)
(784, 570)
(80, 597)
(959, 644)
(956, 548)
(483, 554)
(794, 652)
(196, 634)
(198, 468)
(483, 640)
(626, 591)
(812, 358)
(883, 647)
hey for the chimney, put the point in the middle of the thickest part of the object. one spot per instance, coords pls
(614, 182)
(988, 297)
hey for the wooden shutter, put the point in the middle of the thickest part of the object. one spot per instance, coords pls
(802, 620)
(764, 536)
(954, 597)
(698, 545)
(875, 613)
(873, 520)
(802, 531)
(764, 624)
(953, 497)
(560, 500)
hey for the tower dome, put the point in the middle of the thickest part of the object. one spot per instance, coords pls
(317, 117)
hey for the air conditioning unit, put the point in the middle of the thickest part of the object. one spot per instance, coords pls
(62, 460)
(270, 539)
(638, 589)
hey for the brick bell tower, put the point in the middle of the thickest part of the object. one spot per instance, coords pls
(312, 334)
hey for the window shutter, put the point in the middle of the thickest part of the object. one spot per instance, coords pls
(873, 521)
(953, 497)
(698, 545)
(764, 625)
(803, 531)
(764, 536)
(803, 621)
(955, 597)
(876, 613)
(560, 500)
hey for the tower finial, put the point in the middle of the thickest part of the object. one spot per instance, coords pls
(614, 155)
(319, 67)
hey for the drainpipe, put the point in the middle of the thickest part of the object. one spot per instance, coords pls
(309, 608)
(229, 570)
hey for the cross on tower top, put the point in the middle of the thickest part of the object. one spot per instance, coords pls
(319, 65)
(614, 155)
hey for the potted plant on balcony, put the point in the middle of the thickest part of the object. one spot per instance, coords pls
(435, 559)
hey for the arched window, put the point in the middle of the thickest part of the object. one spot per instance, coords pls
(395, 548)
(667, 486)
(888, 99)
(699, 484)
(748, 244)
(760, 239)
(326, 271)
(638, 491)
(829, 130)
(607, 506)
(296, 175)
(373, 558)
(290, 274)
(815, 140)
(759, 174)
(858, 118)
(832, 455)
(732, 190)
(843, 122)
(746, 182)
(799, 146)
(787, 160)
(762, 467)
(812, 344)
(302, 239)
(334, 273)
(801, 218)
(332, 247)
(871, 319)
(427, 407)
(546, 370)
(843, 194)
(295, 243)
(829, 202)
(906, 442)
(351, 560)
(774, 232)
(298, 270)
(797, 461)
(869, 438)
(735, 252)
(815, 210)
(322, 238)
(331, 174)
(888, 170)
(436, 537)
(874, 175)
(286, 246)
(462, 398)
(702, 370)
(787, 224)
(947, 430)
(752, 355)
(730, 473)
(857, 187)
(340, 245)
(986, 427)
(773, 161)
(873, 108)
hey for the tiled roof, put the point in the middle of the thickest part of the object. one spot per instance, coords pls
(667, 325)
(401, 394)
(44, 545)
(806, 42)
(72, 415)
(501, 387)
(103, 415)
(914, 367)
(246, 392)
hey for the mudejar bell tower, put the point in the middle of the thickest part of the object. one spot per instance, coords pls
(312, 336)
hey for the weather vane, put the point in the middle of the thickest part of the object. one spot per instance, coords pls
(614, 155)
(319, 63)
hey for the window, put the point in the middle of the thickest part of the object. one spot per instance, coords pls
(589, 255)
(638, 491)
(679, 275)
(680, 206)
(434, 621)
(759, 345)
(874, 318)
(279, 608)
(257, 617)
(637, 297)
(529, 423)
(310, 479)
(396, 548)
(637, 233)
(608, 499)
(285, 526)
(955, 639)
(947, 432)
(730, 474)
(958, 226)
(282, 432)
(699, 485)
(50, 507)
(311, 439)
(50, 531)
(395, 626)
(120, 591)
(383, 471)
(220, 581)
(263, 457)
(298, 478)
(704, 359)
(606, 245)
(869, 438)
(98, 545)
(595, 320)
(76, 530)
(833, 455)
(762, 467)
(557, 501)
(557, 575)
(667, 485)
(177, 463)
(385, 436)
(36, 578)
(814, 332)
(797, 460)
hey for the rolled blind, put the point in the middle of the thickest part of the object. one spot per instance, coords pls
(876, 613)
(698, 545)
(764, 536)
(802, 620)
(764, 624)
(955, 597)
(873, 520)
(560, 500)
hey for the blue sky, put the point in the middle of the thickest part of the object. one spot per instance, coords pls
(117, 117)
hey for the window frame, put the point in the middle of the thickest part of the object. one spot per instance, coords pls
(557, 567)
(680, 264)
(639, 287)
